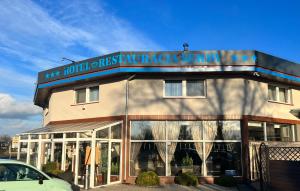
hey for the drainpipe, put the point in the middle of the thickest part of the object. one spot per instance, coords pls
(126, 122)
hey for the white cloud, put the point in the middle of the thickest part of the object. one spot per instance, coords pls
(15, 126)
(10, 108)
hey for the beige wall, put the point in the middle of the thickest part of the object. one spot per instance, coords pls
(232, 97)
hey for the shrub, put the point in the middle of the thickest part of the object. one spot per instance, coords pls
(51, 168)
(186, 179)
(187, 161)
(149, 178)
(227, 181)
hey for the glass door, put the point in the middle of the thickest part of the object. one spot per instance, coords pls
(84, 162)
(101, 163)
(115, 161)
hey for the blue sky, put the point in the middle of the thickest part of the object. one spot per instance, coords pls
(35, 35)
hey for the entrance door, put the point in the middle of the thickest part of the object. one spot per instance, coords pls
(84, 159)
(107, 163)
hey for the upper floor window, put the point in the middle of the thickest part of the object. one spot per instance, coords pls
(87, 94)
(184, 88)
(279, 94)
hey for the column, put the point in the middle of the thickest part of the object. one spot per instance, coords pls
(39, 166)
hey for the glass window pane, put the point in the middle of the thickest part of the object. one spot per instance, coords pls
(103, 133)
(272, 92)
(231, 130)
(223, 159)
(58, 154)
(23, 151)
(184, 130)
(195, 88)
(71, 135)
(87, 134)
(282, 95)
(115, 162)
(80, 95)
(46, 153)
(94, 93)
(256, 131)
(70, 157)
(46, 136)
(24, 137)
(57, 135)
(33, 153)
(148, 130)
(185, 157)
(147, 156)
(34, 136)
(173, 88)
(101, 163)
(279, 132)
(116, 131)
(17, 172)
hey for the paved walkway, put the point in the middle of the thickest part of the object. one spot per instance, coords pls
(170, 187)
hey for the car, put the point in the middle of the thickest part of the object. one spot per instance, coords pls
(16, 175)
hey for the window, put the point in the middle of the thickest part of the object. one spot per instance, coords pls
(17, 172)
(184, 88)
(172, 147)
(194, 88)
(278, 94)
(256, 131)
(279, 132)
(173, 88)
(80, 95)
(87, 94)
(94, 93)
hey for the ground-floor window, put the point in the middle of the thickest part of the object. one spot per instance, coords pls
(206, 148)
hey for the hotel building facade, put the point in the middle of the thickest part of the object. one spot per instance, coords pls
(106, 119)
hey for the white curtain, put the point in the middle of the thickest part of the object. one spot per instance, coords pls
(173, 128)
(158, 132)
(136, 146)
(197, 129)
(231, 130)
(210, 132)
(173, 87)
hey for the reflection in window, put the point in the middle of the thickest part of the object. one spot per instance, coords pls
(222, 130)
(256, 131)
(94, 93)
(70, 157)
(71, 135)
(87, 134)
(17, 172)
(81, 95)
(116, 131)
(34, 136)
(223, 158)
(57, 135)
(279, 132)
(103, 133)
(195, 88)
(147, 156)
(23, 151)
(148, 130)
(272, 93)
(46, 153)
(185, 157)
(33, 153)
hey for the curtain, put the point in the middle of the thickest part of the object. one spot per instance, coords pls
(158, 132)
(173, 128)
(210, 132)
(197, 127)
(136, 147)
(231, 130)
(173, 88)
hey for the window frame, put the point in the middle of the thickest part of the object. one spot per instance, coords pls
(288, 94)
(184, 88)
(87, 94)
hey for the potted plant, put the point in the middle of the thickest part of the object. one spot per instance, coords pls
(187, 164)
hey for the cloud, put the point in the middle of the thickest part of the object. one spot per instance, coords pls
(11, 109)
(15, 126)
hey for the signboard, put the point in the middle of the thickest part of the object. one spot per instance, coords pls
(149, 59)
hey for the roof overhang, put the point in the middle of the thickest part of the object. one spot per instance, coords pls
(120, 63)
(72, 127)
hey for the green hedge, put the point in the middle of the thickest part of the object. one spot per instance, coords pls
(186, 179)
(149, 178)
(227, 181)
(51, 168)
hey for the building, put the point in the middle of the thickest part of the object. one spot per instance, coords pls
(116, 115)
